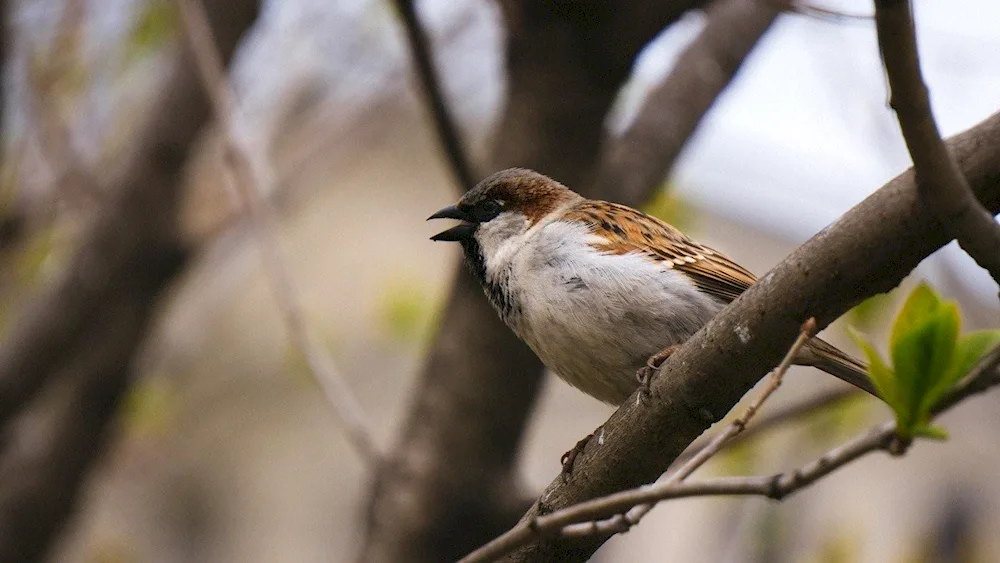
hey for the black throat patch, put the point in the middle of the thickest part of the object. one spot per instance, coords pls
(496, 290)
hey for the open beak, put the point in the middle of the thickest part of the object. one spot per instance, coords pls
(459, 232)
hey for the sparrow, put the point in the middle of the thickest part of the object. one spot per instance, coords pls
(599, 291)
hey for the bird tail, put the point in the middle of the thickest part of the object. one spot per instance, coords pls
(822, 355)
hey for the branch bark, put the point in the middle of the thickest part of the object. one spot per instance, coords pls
(940, 183)
(636, 164)
(869, 250)
(451, 482)
(613, 510)
(86, 325)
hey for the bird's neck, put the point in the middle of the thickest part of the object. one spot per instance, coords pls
(496, 285)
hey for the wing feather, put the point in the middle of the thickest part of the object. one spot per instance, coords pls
(626, 230)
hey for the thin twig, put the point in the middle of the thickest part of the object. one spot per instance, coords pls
(444, 121)
(777, 418)
(622, 522)
(941, 185)
(580, 518)
(251, 178)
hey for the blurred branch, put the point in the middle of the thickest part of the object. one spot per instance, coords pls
(451, 482)
(444, 121)
(941, 185)
(11, 229)
(820, 12)
(11, 220)
(49, 447)
(610, 514)
(634, 165)
(251, 177)
(867, 251)
(87, 324)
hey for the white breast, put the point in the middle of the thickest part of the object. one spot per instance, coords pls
(591, 317)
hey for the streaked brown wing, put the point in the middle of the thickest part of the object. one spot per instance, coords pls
(627, 230)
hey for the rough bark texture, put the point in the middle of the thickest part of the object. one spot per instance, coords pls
(868, 251)
(82, 332)
(451, 482)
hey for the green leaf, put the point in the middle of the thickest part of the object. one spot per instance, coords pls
(928, 359)
(881, 374)
(922, 355)
(970, 349)
(921, 302)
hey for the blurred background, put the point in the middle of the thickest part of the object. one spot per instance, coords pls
(227, 449)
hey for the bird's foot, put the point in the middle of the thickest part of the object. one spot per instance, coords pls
(569, 458)
(646, 372)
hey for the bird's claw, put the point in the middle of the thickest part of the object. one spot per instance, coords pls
(569, 458)
(646, 372)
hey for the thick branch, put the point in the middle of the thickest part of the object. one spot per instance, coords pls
(636, 163)
(869, 250)
(942, 187)
(586, 517)
(87, 324)
(56, 319)
(579, 519)
(50, 447)
(444, 122)
(612, 512)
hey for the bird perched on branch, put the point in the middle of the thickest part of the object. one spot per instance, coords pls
(599, 291)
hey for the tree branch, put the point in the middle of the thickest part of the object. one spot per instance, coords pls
(444, 122)
(251, 177)
(720, 440)
(777, 418)
(941, 185)
(86, 325)
(610, 514)
(869, 250)
(634, 165)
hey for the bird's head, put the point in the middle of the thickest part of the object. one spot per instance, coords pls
(501, 209)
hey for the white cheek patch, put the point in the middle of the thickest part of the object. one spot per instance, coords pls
(500, 237)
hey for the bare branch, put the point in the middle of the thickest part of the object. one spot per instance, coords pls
(942, 187)
(636, 164)
(611, 514)
(868, 251)
(49, 447)
(777, 418)
(567, 520)
(719, 441)
(251, 178)
(740, 424)
(444, 122)
(87, 324)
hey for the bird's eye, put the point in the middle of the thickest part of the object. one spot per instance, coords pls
(486, 210)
